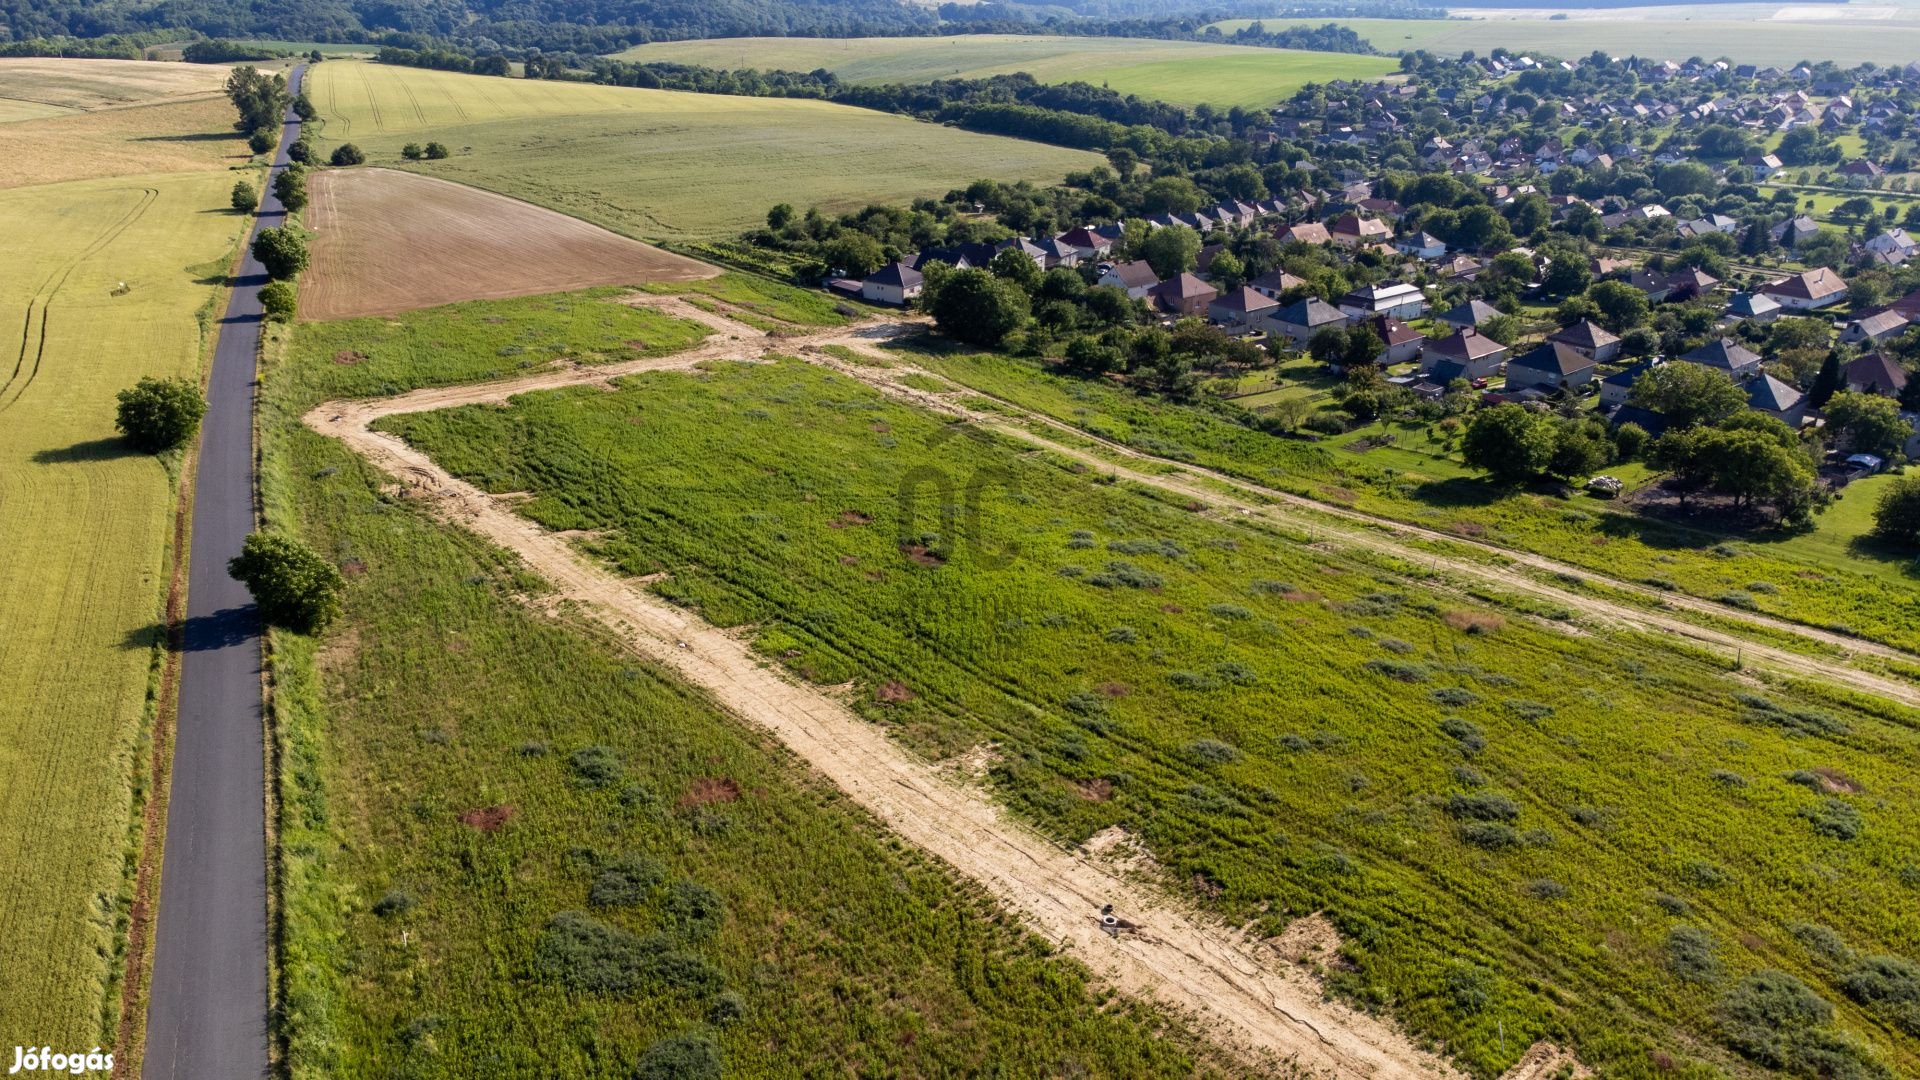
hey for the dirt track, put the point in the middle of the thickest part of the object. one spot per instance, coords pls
(1247, 997)
(393, 241)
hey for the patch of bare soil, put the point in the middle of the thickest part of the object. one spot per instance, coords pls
(394, 241)
(488, 818)
(708, 790)
(893, 692)
(1309, 940)
(1545, 1061)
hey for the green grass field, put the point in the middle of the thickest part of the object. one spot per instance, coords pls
(418, 945)
(86, 528)
(1182, 72)
(1872, 595)
(658, 165)
(1505, 819)
(1676, 35)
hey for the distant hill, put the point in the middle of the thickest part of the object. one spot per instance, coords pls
(552, 25)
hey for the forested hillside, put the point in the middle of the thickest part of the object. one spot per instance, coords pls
(582, 25)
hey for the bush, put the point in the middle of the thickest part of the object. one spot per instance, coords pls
(1896, 517)
(584, 953)
(436, 151)
(688, 1056)
(245, 200)
(1492, 835)
(1465, 734)
(279, 301)
(1455, 696)
(1834, 818)
(595, 766)
(396, 902)
(347, 154)
(1692, 954)
(626, 882)
(412, 152)
(1889, 985)
(262, 141)
(1212, 752)
(1483, 806)
(694, 911)
(1400, 670)
(1773, 1019)
(291, 584)
(160, 414)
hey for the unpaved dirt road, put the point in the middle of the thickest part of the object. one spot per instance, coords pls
(1245, 995)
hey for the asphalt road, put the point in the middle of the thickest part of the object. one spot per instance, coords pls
(207, 1013)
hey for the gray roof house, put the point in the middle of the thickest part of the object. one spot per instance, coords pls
(1550, 367)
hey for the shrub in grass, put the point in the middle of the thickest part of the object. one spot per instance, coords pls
(1529, 710)
(1269, 587)
(1395, 645)
(1212, 752)
(1236, 673)
(1373, 604)
(1123, 635)
(595, 766)
(1123, 574)
(1672, 905)
(1889, 985)
(584, 953)
(1727, 778)
(1230, 612)
(531, 748)
(727, 1008)
(1774, 1020)
(1469, 987)
(1792, 721)
(687, 1056)
(1401, 670)
(1546, 889)
(1692, 955)
(1702, 873)
(1822, 941)
(1835, 818)
(1483, 806)
(1193, 680)
(1455, 696)
(395, 902)
(1465, 734)
(1492, 835)
(695, 911)
(1468, 776)
(626, 881)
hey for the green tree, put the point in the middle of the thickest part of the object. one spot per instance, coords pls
(435, 151)
(291, 584)
(1826, 248)
(978, 308)
(1581, 447)
(1510, 441)
(1827, 382)
(855, 252)
(279, 300)
(1896, 517)
(290, 187)
(1622, 306)
(1567, 275)
(1328, 345)
(347, 154)
(245, 199)
(1171, 195)
(282, 251)
(1688, 394)
(1685, 178)
(1012, 264)
(1867, 423)
(160, 414)
(1171, 250)
(262, 140)
(778, 218)
(1227, 271)
(413, 152)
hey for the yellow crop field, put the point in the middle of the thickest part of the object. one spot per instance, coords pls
(103, 283)
(656, 164)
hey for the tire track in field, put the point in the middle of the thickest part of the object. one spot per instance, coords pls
(57, 280)
(373, 100)
(333, 108)
(418, 113)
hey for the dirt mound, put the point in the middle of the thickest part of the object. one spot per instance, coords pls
(710, 789)
(893, 692)
(392, 241)
(488, 818)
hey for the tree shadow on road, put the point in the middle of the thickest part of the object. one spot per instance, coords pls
(202, 633)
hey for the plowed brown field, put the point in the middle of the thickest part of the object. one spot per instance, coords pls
(391, 241)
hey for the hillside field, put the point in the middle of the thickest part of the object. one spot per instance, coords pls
(57, 86)
(86, 529)
(1182, 72)
(1679, 35)
(464, 771)
(654, 164)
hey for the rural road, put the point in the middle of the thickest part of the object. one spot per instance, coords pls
(207, 1010)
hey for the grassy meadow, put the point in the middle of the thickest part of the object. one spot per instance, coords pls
(1507, 820)
(1842, 582)
(512, 849)
(1182, 72)
(654, 164)
(1677, 33)
(86, 530)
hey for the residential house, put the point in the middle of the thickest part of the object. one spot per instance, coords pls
(1874, 328)
(1026, 247)
(1353, 230)
(1395, 298)
(1403, 342)
(1550, 367)
(1307, 232)
(1238, 311)
(895, 283)
(1876, 373)
(1656, 285)
(1893, 246)
(1725, 355)
(1478, 355)
(1135, 277)
(1761, 165)
(1422, 245)
(1300, 320)
(1712, 223)
(1274, 282)
(1589, 339)
(1754, 307)
(1766, 394)
(1086, 243)
(1183, 294)
(1471, 313)
(1813, 289)
(1861, 167)
(1789, 233)
(1615, 387)
(1689, 282)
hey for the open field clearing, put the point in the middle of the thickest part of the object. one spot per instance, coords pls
(1764, 572)
(655, 164)
(1484, 800)
(1182, 72)
(1766, 42)
(463, 769)
(85, 528)
(393, 241)
(186, 136)
(63, 85)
